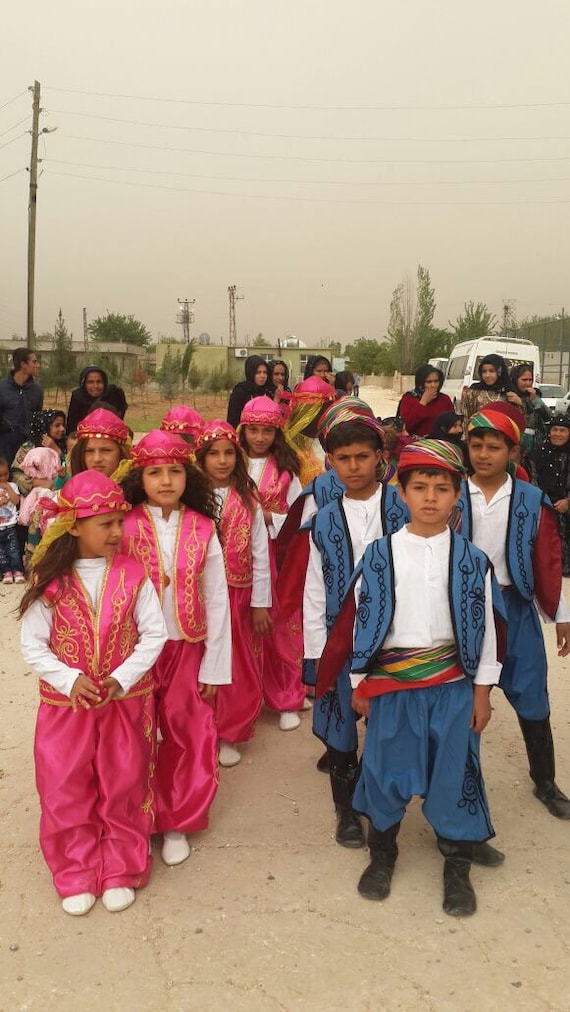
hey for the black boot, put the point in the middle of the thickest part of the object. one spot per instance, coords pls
(486, 855)
(343, 773)
(458, 894)
(537, 736)
(323, 763)
(376, 879)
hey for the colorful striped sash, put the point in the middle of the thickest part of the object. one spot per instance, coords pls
(405, 668)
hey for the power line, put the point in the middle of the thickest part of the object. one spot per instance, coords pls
(323, 108)
(19, 123)
(241, 154)
(17, 138)
(10, 100)
(355, 161)
(314, 182)
(312, 200)
(247, 133)
(16, 173)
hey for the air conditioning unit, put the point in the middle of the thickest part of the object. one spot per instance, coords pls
(240, 352)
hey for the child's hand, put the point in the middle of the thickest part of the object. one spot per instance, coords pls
(110, 688)
(84, 693)
(563, 638)
(562, 506)
(207, 691)
(359, 704)
(481, 708)
(261, 621)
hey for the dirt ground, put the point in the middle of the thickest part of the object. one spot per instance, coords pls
(265, 914)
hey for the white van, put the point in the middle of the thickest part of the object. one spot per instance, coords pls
(463, 366)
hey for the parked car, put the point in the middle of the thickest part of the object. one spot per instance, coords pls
(551, 394)
(464, 360)
(562, 405)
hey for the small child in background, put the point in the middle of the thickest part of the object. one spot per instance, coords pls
(41, 466)
(243, 535)
(10, 559)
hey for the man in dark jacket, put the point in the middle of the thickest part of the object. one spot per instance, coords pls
(20, 396)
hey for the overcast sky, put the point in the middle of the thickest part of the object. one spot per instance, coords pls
(311, 152)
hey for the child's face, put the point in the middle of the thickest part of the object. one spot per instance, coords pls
(430, 499)
(489, 455)
(559, 436)
(456, 429)
(356, 466)
(259, 439)
(4, 473)
(98, 537)
(102, 455)
(57, 428)
(220, 462)
(164, 485)
(489, 374)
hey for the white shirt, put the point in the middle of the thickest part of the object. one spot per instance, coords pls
(490, 522)
(255, 467)
(38, 620)
(422, 617)
(364, 521)
(261, 586)
(215, 667)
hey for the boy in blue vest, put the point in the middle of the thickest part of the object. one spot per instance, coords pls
(339, 534)
(423, 662)
(515, 524)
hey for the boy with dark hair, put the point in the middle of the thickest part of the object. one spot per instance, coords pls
(424, 658)
(340, 532)
(515, 524)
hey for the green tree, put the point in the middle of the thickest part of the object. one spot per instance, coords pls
(260, 342)
(476, 320)
(366, 356)
(410, 330)
(168, 376)
(62, 369)
(139, 382)
(116, 327)
(194, 380)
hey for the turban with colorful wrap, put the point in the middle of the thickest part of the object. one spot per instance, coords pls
(159, 447)
(348, 409)
(426, 453)
(489, 418)
(88, 494)
(262, 411)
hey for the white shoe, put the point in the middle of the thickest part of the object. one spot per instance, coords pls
(289, 721)
(307, 705)
(115, 900)
(78, 905)
(175, 848)
(228, 754)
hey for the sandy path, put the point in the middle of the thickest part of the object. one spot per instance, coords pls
(265, 913)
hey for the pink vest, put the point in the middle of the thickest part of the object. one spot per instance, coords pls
(273, 487)
(191, 548)
(96, 642)
(235, 535)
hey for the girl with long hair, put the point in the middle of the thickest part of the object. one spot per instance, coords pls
(274, 468)
(92, 629)
(246, 556)
(103, 444)
(172, 531)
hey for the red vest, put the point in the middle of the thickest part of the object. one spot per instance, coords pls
(273, 487)
(191, 548)
(96, 642)
(235, 535)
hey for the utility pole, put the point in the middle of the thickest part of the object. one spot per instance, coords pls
(32, 212)
(233, 297)
(185, 316)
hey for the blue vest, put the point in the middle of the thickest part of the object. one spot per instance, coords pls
(468, 567)
(332, 538)
(324, 488)
(525, 505)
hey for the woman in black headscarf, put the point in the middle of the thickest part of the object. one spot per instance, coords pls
(256, 384)
(494, 384)
(550, 470)
(92, 387)
(279, 379)
(536, 412)
(319, 365)
(420, 407)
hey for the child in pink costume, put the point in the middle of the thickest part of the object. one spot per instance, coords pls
(246, 556)
(171, 530)
(92, 629)
(274, 467)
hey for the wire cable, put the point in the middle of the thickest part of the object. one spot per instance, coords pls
(319, 108)
(10, 100)
(19, 123)
(16, 173)
(17, 138)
